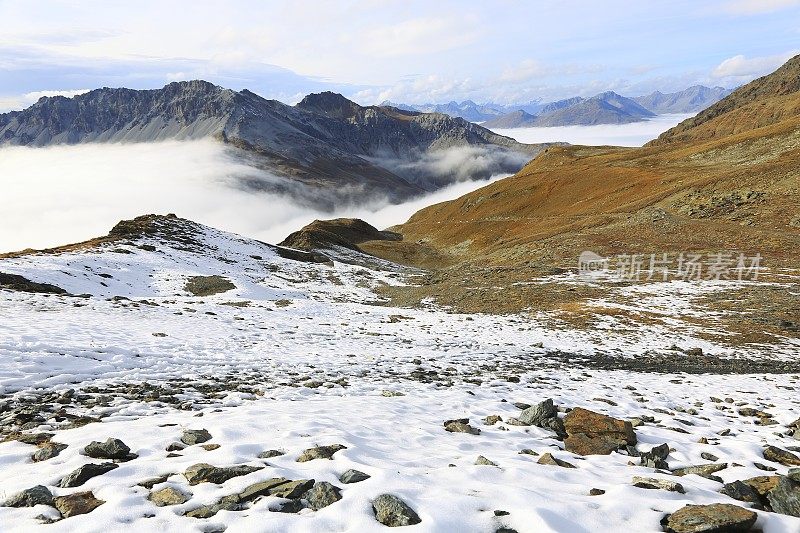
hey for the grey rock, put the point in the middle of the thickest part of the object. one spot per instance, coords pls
(288, 506)
(656, 457)
(322, 494)
(206, 473)
(739, 490)
(110, 449)
(393, 512)
(279, 487)
(656, 483)
(785, 497)
(38, 495)
(269, 454)
(700, 470)
(191, 437)
(353, 476)
(86, 472)
(536, 415)
(48, 451)
(481, 460)
(461, 425)
(320, 452)
(168, 496)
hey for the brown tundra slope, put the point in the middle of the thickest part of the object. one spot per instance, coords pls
(726, 180)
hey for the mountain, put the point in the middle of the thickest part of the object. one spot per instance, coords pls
(605, 108)
(691, 100)
(469, 110)
(326, 149)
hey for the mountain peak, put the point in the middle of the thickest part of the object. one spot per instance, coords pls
(330, 104)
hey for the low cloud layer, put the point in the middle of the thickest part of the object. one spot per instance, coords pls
(65, 194)
(633, 134)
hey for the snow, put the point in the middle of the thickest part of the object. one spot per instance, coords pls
(331, 362)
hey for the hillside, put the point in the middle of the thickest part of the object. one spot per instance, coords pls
(326, 143)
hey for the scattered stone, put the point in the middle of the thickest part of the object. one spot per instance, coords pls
(48, 451)
(77, 503)
(785, 497)
(543, 415)
(777, 455)
(320, 452)
(175, 447)
(590, 433)
(765, 468)
(762, 484)
(596, 492)
(38, 495)
(353, 476)
(269, 454)
(289, 506)
(700, 470)
(206, 473)
(498, 512)
(655, 483)
(528, 451)
(36, 439)
(548, 459)
(656, 457)
(492, 420)
(152, 482)
(709, 456)
(210, 447)
(86, 472)
(461, 425)
(280, 487)
(481, 460)
(110, 449)
(714, 518)
(322, 494)
(739, 490)
(191, 437)
(168, 496)
(393, 512)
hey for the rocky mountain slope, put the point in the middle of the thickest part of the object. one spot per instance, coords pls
(185, 379)
(326, 143)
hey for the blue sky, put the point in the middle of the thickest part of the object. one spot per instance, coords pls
(407, 51)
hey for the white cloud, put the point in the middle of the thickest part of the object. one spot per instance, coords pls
(757, 7)
(13, 103)
(740, 66)
(420, 36)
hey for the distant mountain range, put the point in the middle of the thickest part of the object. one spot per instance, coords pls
(604, 108)
(325, 150)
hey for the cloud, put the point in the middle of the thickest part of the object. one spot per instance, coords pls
(758, 7)
(25, 100)
(66, 194)
(742, 67)
(420, 36)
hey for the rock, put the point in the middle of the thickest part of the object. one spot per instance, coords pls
(739, 490)
(794, 474)
(590, 433)
(481, 460)
(777, 455)
(535, 415)
(785, 497)
(77, 503)
(152, 482)
(656, 457)
(175, 447)
(596, 492)
(320, 452)
(353, 476)
(48, 451)
(709, 456)
(195, 436)
(38, 495)
(210, 447)
(280, 487)
(168, 496)
(765, 468)
(548, 459)
(110, 449)
(288, 506)
(86, 472)
(206, 473)
(528, 451)
(269, 454)
(655, 483)
(393, 512)
(762, 484)
(492, 420)
(461, 425)
(714, 518)
(322, 494)
(700, 470)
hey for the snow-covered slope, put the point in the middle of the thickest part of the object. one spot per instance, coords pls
(295, 353)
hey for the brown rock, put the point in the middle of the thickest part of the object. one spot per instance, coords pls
(78, 503)
(548, 459)
(590, 433)
(714, 518)
(168, 496)
(777, 455)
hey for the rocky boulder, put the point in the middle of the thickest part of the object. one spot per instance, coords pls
(110, 449)
(206, 473)
(590, 433)
(714, 518)
(785, 497)
(393, 512)
(77, 504)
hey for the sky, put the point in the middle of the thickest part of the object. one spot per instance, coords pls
(410, 51)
